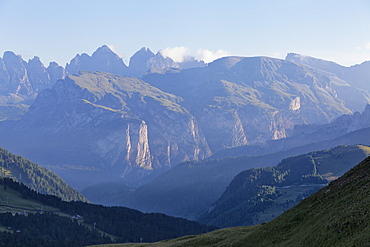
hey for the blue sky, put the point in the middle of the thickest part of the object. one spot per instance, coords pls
(57, 30)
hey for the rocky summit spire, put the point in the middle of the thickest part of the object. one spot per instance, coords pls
(138, 62)
(103, 59)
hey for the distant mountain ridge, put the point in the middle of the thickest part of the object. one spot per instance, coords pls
(103, 59)
(108, 122)
(341, 131)
(117, 126)
(274, 93)
(21, 81)
(357, 75)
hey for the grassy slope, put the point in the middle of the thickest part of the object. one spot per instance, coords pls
(337, 215)
(122, 89)
(12, 201)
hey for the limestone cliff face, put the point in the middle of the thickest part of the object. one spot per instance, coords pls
(18, 82)
(121, 124)
(340, 126)
(21, 81)
(239, 101)
(223, 129)
(124, 127)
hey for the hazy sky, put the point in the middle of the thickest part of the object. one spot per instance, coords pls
(57, 30)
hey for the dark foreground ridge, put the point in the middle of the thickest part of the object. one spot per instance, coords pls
(336, 215)
(79, 223)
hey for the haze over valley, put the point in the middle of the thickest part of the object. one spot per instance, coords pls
(235, 123)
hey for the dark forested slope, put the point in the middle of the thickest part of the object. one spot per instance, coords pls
(260, 194)
(80, 223)
(36, 177)
(336, 215)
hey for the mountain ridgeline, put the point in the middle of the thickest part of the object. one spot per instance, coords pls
(93, 127)
(36, 177)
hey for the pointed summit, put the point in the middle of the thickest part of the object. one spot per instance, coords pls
(19, 82)
(37, 74)
(103, 59)
(104, 51)
(161, 62)
(138, 62)
(56, 72)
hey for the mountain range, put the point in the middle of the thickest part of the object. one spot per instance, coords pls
(21, 81)
(98, 123)
(195, 140)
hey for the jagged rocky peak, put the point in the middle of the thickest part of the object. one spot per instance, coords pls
(191, 62)
(18, 79)
(37, 74)
(161, 62)
(56, 72)
(138, 62)
(302, 59)
(140, 58)
(105, 52)
(103, 59)
(12, 61)
(21, 81)
(145, 60)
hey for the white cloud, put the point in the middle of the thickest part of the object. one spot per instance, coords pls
(209, 56)
(181, 53)
(177, 54)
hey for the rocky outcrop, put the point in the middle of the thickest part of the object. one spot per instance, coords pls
(340, 126)
(191, 62)
(128, 128)
(56, 72)
(18, 82)
(120, 125)
(138, 62)
(103, 59)
(239, 101)
(161, 62)
(145, 60)
(357, 76)
(21, 81)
